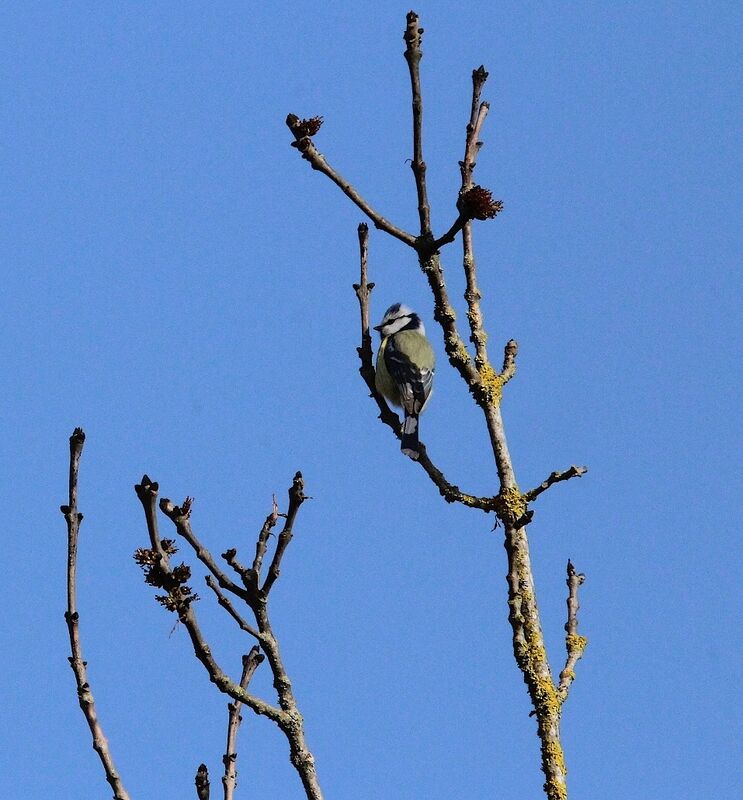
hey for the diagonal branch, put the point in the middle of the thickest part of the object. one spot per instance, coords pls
(181, 517)
(574, 643)
(84, 694)
(555, 477)
(261, 543)
(230, 609)
(459, 223)
(317, 161)
(229, 781)
(296, 498)
(413, 54)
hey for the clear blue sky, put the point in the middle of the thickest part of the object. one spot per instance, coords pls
(178, 282)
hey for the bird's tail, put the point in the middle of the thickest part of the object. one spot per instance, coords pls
(409, 440)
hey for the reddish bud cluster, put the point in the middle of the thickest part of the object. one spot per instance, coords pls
(478, 203)
(179, 595)
(304, 127)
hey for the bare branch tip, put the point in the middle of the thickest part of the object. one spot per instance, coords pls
(480, 75)
(78, 436)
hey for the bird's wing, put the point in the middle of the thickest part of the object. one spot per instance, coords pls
(414, 383)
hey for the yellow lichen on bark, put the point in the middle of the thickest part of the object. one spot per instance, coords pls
(510, 504)
(491, 385)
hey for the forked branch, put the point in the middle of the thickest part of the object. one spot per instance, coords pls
(485, 384)
(180, 599)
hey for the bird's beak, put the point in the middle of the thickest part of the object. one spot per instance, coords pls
(378, 328)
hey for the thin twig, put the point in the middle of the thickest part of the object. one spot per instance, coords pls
(261, 543)
(181, 517)
(202, 782)
(230, 609)
(317, 161)
(574, 643)
(478, 112)
(296, 498)
(229, 780)
(413, 54)
(458, 224)
(509, 360)
(555, 477)
(85, 696)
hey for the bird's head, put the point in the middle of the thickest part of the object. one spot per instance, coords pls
(397, 318)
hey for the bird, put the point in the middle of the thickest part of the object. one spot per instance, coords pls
(405, 367)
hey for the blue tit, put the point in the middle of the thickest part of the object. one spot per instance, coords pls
(405, 367)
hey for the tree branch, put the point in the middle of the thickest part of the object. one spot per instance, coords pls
(555, 477)
(230, 609)
(317, 161)
(229, 781)
(181, 518)
(472, 295)
(451, 234)
(413, 54)
(574, 643)
(79, 667)
(262, 541)
(296, 498)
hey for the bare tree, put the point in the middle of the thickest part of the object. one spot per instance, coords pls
(485, 384)
(248, 588)
(253, 589)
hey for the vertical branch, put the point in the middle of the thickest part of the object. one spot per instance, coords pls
(229, 780)
(363, 293)
(413, 54)
(574, 643)
(478, 112)
(79, 666)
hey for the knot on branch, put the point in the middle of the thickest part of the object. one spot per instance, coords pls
(510, 506)
(175, 581)
(478, 203)
(302, 128)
